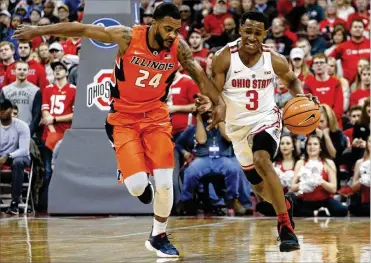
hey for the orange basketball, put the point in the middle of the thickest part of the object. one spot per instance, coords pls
(301, 115)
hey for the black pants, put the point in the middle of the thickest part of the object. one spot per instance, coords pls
(305, 208)
(17, 165)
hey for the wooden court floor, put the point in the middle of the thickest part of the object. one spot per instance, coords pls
(221, 239)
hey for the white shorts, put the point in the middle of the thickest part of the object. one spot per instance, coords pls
(242, 136)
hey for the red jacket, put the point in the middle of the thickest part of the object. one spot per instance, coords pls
(328, 92)
(214, 24)
(69, 47)
(36, 75)
(350, 53)
(201, 56)
(330, 24)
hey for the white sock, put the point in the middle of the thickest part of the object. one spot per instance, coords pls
(158, 227)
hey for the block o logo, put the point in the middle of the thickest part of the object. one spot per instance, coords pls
(98, 92)
(106, 22)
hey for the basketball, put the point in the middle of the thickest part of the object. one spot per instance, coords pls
(301, 115)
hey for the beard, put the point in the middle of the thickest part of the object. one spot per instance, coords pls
(160, 41)
(196, 46)
(6, 118)
(24, 58)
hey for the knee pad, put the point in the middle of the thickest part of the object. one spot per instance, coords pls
(253, 177)
(136, 183)
(164, 192)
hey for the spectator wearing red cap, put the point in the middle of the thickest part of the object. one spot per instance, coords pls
(351, 51)
(214, 22)
(196, 44)
(328, 89)
(36, 74)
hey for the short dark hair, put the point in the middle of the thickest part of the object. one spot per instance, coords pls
(5, 104)
(166, 9)
(355, 108)
(15, 107)
(26, 42)
(256, 16)
(356, 20)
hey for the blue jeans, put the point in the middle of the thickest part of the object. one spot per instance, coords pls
(201, 166)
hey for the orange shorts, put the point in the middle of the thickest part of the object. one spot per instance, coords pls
(142, 141)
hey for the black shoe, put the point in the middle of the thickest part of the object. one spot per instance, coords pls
(161, 245)
(289, 241)
(13, 209)
(148, 194)
(289, 197)
(187, 207)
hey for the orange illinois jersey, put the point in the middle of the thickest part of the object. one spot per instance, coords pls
(141, 77)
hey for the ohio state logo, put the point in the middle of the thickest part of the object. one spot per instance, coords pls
(98, 92)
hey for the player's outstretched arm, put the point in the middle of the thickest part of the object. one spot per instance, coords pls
(114, 34)
(195, 71)
(206, 86)
(287, 76)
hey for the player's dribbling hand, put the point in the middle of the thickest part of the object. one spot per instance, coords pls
(310, 97)
(25, 32)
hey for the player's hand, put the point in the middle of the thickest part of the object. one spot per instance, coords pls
(203, 103)
(25, 32)
(217, 116)
(310, 97)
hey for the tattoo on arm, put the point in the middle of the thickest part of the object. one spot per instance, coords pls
(188, 62)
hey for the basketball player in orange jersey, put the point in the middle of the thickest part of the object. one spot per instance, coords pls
(245, 77)
(138, 124)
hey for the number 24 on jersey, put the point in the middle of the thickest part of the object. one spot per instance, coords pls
(147, 80)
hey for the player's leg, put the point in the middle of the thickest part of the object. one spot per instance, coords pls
(159, 152)
(267, 184)
(130, 156)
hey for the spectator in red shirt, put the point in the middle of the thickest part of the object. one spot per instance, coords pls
(7, 58)
(186, 18)
(362, 13)
(196, 44)
(214, 22)
(71, 45)
(351, 51)
(327, 25)
(328, 89)
(362, 92)
(332, 71)
(36, 74)
(183, 91)
(297, 64)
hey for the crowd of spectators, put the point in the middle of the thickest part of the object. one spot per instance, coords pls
(326, 44)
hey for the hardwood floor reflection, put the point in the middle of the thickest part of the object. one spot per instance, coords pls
(121, 239)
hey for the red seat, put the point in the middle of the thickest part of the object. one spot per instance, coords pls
(6, 168)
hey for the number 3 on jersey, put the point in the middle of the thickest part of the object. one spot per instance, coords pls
(142, 80)
(253, 95)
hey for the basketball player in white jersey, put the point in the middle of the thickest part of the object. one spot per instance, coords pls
(245, 76)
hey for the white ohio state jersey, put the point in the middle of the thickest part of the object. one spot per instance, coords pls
(248, 92)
